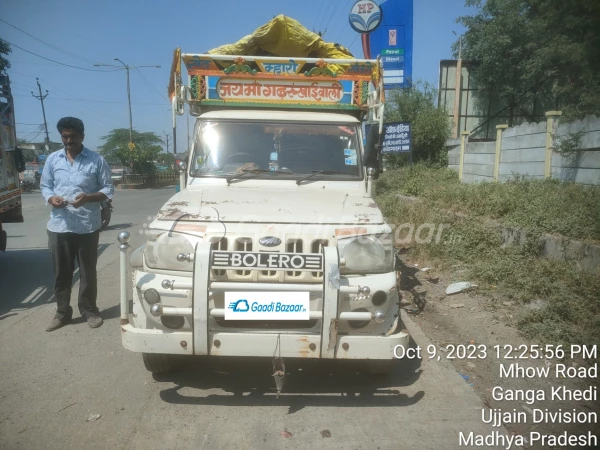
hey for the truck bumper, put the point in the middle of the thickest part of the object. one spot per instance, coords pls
(331, 340)
(262, 344)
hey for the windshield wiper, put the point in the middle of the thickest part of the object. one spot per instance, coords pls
(256, 172)
(322, 172)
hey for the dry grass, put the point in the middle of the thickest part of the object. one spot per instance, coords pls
(571, 314)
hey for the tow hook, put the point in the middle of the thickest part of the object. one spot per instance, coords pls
(278, 374)
(278, 367)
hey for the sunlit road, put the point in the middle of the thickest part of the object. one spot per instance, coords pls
(52, 383)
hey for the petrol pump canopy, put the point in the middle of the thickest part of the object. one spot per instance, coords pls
(281, 65)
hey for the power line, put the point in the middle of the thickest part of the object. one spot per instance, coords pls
(106, 101)
(334, 13)
(19, 89)
(339, 16)
(19, 73)
(149, 86)
(31, 136)
(355, 38)
(83, 112)
(326, 15)
(46, 43)
(85, 106)
(34, 63)
(162, 96)
(320, 7)
(58, 62)
(341, 31)
(20, 84)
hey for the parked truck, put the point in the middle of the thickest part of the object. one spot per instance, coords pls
(273, 247)
(10, 189)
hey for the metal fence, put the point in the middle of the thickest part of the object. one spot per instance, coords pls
(155, 180)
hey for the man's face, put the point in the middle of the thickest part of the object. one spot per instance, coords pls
(72, 139)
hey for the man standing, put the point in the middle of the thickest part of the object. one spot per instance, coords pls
(74, 182)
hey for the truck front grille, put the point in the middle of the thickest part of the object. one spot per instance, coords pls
(290, 245)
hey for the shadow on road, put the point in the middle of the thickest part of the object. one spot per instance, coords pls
(114, 312)
(27, 279)
(121, 226)
(307, 383)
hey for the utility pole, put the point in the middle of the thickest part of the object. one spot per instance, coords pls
(457, 86)
(188, 131)
(167, 137)
(127, 69)
(41, 99)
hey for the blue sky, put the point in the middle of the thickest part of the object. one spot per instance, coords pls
(146, 33)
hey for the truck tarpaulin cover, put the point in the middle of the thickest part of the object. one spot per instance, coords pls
(280, 37)
(285, 37)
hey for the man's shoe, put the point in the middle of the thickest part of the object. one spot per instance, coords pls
(95, 321)
(57, 323)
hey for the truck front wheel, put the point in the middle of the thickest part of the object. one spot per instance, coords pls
(158, 363)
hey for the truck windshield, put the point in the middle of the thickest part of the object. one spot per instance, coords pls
(289, 150)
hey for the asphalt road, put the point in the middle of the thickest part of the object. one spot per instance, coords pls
(52, 383)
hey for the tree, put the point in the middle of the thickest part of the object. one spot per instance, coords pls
(430, 127)
(146, 151)
(542, 49)
(4, 50)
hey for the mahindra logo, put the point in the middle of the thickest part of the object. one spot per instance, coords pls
(269, 241)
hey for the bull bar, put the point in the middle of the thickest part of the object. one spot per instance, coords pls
(202, 341)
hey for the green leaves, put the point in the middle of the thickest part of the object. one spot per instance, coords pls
(430, 125)
(4, 50)
(146, 151)
(543, 49)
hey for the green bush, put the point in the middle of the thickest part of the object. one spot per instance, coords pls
(430, 127)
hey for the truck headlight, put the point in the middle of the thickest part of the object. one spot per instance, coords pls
(367, 254)
(162, 249)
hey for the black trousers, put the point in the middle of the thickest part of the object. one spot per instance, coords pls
(66, 248)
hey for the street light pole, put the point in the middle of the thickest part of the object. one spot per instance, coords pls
(129, 101)
(131, 144)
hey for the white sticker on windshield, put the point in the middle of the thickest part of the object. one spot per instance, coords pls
(351, 161)
(349, 152)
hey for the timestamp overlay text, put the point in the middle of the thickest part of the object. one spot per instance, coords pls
(529, 362)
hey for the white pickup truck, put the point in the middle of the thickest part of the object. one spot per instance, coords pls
(274, 245)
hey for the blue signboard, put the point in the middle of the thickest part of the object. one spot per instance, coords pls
(396, 137)
(393, 41)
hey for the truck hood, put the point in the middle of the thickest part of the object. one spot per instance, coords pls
(262, 206)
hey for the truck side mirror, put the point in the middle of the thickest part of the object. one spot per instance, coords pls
(179, 159)
(372, 150)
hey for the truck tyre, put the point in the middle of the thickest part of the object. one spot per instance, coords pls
(158, 363)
